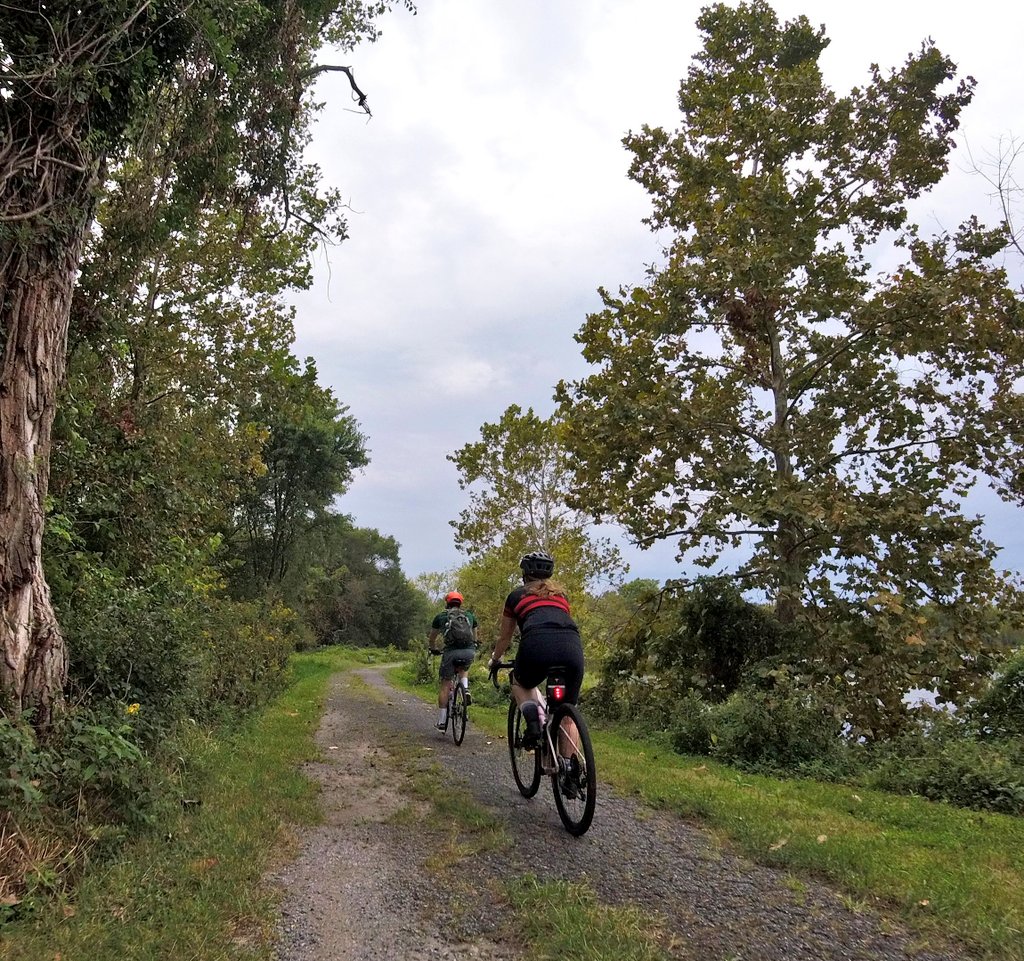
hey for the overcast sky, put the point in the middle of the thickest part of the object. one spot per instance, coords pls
(490, 200)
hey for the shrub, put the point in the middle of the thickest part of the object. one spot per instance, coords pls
(940, 760)
(781, 730)
(691, 730)
(999, 711)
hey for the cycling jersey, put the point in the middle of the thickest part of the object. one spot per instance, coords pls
(548, 637)
(532, 612)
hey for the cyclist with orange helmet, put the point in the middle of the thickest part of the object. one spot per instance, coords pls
(459, 630)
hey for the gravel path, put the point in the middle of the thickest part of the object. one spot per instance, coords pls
(361, 889)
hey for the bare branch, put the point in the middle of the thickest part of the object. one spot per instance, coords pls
(357, 94)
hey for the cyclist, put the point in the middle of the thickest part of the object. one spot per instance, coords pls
(459, 629)
(549, 637)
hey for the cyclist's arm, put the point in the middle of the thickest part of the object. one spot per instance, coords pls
(508, 628)
(430, 638)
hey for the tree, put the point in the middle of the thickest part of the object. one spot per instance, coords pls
(79, 92)
(313, 446)
(357, 592)
(522, 479)
(770, 387)
(521, 503)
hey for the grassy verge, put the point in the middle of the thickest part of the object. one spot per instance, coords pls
(946, 870)
(193, 888)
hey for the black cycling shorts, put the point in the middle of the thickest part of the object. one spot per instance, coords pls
(543, 649)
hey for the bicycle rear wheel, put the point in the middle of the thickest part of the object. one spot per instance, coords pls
(575, 785)
(525, 763)
(459, 713)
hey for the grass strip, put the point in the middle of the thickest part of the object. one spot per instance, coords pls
(565, 921)
(946, 870)
(193, 888)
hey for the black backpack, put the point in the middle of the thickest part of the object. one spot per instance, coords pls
(458, 632)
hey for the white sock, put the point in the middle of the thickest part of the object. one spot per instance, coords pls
(442, 715)
(465, 683)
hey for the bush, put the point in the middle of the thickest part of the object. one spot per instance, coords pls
(176, 648)
(999, 712)
(706, 642)
(779, 730)
(691, 730)
(940, 760)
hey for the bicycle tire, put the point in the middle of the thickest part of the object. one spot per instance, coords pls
(459, 713)
(525, 764)
(576, 812)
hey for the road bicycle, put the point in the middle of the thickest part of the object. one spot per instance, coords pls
(564, 752)
(458, 703)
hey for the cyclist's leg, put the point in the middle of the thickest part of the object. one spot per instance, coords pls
(568, 735)
(446, 675)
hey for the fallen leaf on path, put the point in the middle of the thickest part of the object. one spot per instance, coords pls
(333, 747)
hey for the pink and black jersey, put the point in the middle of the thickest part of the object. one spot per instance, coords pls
(533, 612)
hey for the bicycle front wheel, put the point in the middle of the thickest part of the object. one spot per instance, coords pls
(525, 763)
(575, 782)
(459, 713)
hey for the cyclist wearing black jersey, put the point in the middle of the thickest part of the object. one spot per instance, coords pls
(549, 637)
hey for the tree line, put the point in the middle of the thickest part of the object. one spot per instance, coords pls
(170, 470)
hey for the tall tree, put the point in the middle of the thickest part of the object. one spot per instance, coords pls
(357, 593)
(519, 502)
(771, 387)
(519, 477)
(312, 447)
(79, 88)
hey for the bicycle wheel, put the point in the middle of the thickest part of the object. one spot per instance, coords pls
(458, 712)
(525, 764)
(575, 786)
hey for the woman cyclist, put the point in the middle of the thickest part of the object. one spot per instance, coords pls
(548, 637)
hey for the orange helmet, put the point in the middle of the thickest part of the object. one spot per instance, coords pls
(453, 597)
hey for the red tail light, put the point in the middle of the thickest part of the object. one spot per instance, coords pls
(558, 692)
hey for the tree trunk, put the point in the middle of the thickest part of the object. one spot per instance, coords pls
(38, 269)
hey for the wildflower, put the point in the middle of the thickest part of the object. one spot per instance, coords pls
(132, 708)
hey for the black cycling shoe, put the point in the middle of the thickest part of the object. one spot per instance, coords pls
(531, 738)
(569, 777)
(468, 696)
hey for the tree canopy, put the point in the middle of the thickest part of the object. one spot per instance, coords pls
(808, 377)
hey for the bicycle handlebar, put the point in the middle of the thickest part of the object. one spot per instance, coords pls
(499, 666)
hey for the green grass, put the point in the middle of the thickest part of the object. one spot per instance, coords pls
(564, 921)
(945, 870)
(194, 888)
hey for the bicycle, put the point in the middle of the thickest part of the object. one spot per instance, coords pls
(458, 705)
(573, 777)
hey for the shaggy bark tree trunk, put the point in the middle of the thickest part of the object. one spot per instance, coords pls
(38, 268)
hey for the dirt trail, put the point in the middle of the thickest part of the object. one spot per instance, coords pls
(364, 887)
